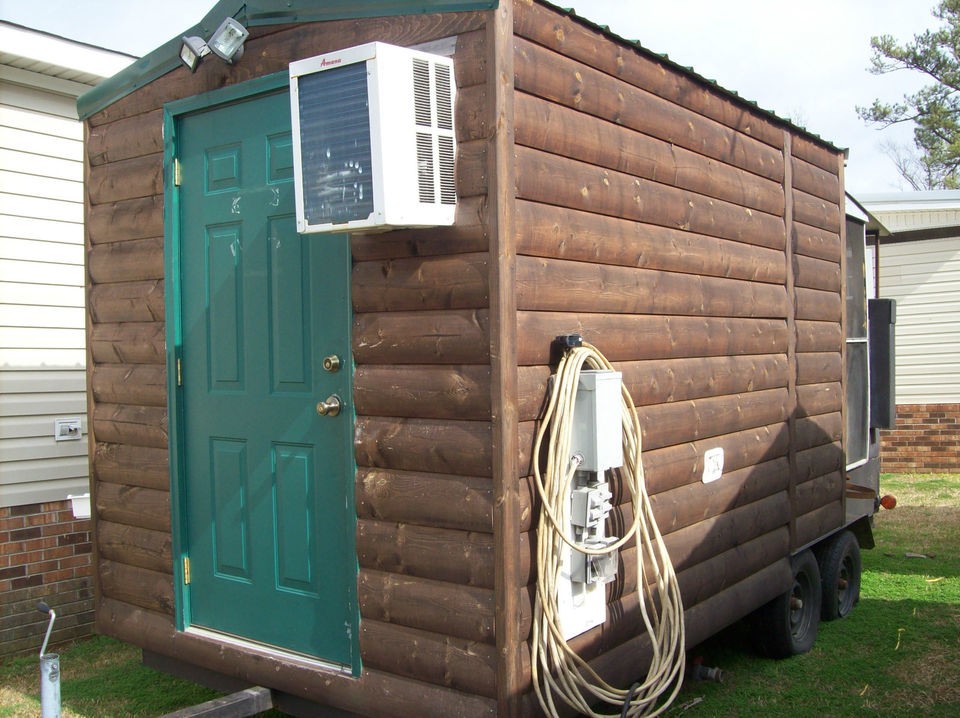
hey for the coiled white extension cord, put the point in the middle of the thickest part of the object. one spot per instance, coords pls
(557, 670)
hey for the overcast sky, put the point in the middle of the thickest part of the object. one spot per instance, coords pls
(806, 61)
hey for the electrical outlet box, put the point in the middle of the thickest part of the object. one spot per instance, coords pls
(67, 429)
(597, 420)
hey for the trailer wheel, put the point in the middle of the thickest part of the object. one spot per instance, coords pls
(787, 626)
(840, 569)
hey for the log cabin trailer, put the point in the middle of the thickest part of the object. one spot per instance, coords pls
(314, 407)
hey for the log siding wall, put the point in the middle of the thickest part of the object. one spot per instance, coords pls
(424, 487)
(697, 244)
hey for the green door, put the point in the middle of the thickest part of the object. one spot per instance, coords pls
(266, 485)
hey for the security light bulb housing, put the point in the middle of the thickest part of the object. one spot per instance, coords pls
(192, 50)
(227, 41)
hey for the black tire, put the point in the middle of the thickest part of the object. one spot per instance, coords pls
(787, 626)
(840, 568)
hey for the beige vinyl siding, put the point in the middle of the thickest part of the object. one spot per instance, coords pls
(924, 277)
(42, 337)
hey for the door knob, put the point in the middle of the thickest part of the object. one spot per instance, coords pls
(330, 407)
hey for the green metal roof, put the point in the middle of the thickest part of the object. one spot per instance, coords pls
(251, 14)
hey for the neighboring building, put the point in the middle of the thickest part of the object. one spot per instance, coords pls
(920, 268)
(44, 547)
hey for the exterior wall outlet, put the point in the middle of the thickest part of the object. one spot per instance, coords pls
(67, 429)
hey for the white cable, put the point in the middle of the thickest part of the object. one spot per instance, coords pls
(558, 672)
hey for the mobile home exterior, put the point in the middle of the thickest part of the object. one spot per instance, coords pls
(378, 559)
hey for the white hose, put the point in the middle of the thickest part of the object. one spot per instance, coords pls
(558, 672)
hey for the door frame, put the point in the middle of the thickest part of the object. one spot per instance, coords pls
(172, 112)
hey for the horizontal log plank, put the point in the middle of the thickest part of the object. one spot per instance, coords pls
(141, 384)
(546, 230)
(819, 367)
(423, 391)
(467, 235)
(635, 338)
(471, 169)
(816, 153)
(135, 546)
(818, 492)
(815, 273)
(823, 429)
(467, 666)
(708, 578)
(139, 218)
(555, 77)
(439, 500)
(633, 64)
(686, 505)
(441, 337)
(127, 302)
(126, 261)
(814, 242)
(687, 421)
(362, 695)
(705, 539)
(669, 380)
(562, 286)
(820, 213)
(541, 177)
(136, 506)
(421, 283)
(815, 305)
(564, 131)
(815, 180)
(470, 58)
(135, 178)
(129, 343)
(430, 445)
(815, 399)
(152, 590)
(819, 336)
(818, 461)
(130, 424)
(440, 554)
(446, 608)
(133, 465)
(125, 139)
(817, 524)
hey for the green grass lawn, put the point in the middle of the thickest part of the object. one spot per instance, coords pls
(897, 654)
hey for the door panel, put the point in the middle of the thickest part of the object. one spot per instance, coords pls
(266, 495)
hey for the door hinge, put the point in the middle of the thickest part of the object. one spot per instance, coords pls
(179, 371)
(177, 178)
(186, 570)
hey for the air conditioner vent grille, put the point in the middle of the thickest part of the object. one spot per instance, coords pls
(425, 176)
(448, 185)
(444, 98)
(421, 93)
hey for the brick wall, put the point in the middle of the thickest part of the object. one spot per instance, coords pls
(926, 440)
(44, 554)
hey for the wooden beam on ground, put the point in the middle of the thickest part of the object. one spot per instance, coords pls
(241, 704)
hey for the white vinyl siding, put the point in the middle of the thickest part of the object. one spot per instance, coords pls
(924, 277)
(42, 316)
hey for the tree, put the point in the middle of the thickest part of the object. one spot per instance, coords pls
(934, 109)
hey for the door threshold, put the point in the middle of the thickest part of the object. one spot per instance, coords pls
(268, 651)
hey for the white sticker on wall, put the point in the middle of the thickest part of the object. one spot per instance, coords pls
(712, 464)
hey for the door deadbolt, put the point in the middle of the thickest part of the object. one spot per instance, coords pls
(331, 363)
(330, 407)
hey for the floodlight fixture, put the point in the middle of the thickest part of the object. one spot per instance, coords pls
(227, 41)
(192, 50)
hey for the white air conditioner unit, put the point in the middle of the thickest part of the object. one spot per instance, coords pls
(373, 139)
